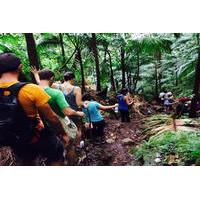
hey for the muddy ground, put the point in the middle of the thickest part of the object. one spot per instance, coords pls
(120, 139)
(116, 151)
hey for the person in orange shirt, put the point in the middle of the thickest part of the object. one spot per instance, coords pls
(33, 101)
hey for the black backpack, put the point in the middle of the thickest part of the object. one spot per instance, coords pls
(15, 126)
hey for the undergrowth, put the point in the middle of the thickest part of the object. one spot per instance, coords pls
(170, 148)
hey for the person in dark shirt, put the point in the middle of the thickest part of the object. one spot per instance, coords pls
(124, 103)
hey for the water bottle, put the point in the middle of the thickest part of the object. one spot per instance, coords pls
(116, 110)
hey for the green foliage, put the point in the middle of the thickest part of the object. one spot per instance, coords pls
(174, 55)
(184, 145)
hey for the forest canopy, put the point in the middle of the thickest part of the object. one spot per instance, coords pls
(145, 63)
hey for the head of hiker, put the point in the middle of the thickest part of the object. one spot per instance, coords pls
(87, 97)
(124, 91)
(9, 63)
(69, 77)
(47, 75)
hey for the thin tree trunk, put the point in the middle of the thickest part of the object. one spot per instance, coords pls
(32, 53)
(196, 84)
(111, 73)
(62, 50)
(127, 73)
(176, 75)
(96, 57)
(31, 49)
(159, 74)
(138, 71)
(156, 81)
(82, 70)
(123, 68)
(157, 66)
(129, 79)
(68, 60)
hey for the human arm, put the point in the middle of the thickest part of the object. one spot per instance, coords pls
(40, 99)
(57, 86)
(126, 98)
(64, 106)
(35, 74)
(102, 107)
(78, 95)
(70, 112)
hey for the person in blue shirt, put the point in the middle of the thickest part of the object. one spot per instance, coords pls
(124, 103)
(94, 118)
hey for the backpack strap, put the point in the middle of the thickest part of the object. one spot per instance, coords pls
(14, 89)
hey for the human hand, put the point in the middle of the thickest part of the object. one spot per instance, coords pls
(116, 105)
(80, 114)
(34, 70)
(85, 104)
(131, 103)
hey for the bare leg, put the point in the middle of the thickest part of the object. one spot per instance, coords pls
(71, 155)
(78, 138)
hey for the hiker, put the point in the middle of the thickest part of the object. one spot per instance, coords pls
(95, 120)
(58, 103)
(183, 106)
(162, 97)
(168, 102)
(124, 103)
(73, 96)
(21, 126)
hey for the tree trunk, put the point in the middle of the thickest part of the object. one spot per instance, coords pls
(138, 71)
(129, 80)
(96, 57)
(123, 68)
(157, 66)
(82, 70)
(31, 49)
(127, 74)
(62, 50)
(32, 53)
(196, 84)
(159, 73)
(111, 72)
(156, 81)
(176, 75)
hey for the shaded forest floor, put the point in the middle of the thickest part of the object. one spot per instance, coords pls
(120, 138)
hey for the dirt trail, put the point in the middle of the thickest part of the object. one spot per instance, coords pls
(120, 139)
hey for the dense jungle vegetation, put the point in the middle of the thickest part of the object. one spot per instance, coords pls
(146, 63)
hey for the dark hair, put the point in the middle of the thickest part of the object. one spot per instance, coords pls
(9, 62)
(87, 97)
(46, 74)
(124, 91)
(69, 76)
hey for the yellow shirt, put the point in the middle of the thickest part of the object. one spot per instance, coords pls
(31, 97)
